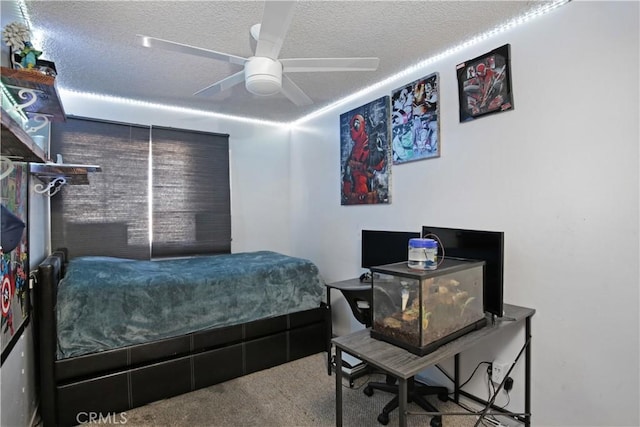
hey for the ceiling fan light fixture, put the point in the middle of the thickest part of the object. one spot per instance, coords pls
(263, 76)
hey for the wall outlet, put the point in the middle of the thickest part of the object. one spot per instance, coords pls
(498, 371)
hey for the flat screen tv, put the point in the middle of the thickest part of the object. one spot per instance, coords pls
(385, 247)
(478, 245)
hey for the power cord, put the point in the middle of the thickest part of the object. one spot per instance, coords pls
(493, 390)
(474, 372)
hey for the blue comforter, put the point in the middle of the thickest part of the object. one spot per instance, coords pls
(105, 303)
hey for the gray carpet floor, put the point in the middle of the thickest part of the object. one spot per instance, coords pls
(297, 394)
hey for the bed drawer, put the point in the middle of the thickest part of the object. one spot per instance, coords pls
(216, 366)
(307, 340)
(159, 381)
(265, 352)
(81, 400)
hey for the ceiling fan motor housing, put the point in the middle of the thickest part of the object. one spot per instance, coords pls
(263, 75)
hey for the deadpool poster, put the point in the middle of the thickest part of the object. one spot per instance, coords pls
(484, 84)
(365, 154)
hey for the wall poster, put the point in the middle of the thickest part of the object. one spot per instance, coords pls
(416, 126)
(365, 154)
(484, 84)
(14, 265)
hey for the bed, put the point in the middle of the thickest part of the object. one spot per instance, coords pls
(113, 334)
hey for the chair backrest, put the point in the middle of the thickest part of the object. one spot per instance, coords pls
(360, 303)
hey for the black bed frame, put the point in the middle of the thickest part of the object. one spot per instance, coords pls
(102, 384)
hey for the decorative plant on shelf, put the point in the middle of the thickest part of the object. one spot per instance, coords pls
(17, 36)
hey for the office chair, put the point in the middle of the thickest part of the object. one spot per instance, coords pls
(416, 391)
(359, 300)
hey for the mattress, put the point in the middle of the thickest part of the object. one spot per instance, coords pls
(105, 303)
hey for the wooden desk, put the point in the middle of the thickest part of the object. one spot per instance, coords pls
(404, 365)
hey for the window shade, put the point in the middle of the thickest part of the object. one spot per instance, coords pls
(110, 216)
(191, 192)
(191, 211)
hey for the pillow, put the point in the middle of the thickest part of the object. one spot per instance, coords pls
(11, 230)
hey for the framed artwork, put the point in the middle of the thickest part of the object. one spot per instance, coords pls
(484, 84)
(415, 120)
(14, 265)
(365, 153)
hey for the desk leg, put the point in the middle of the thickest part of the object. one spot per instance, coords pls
(338, 387)
(329, 328)
(527, 373)
(456, 378)
(402, 402)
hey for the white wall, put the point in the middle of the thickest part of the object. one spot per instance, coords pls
(559, 175)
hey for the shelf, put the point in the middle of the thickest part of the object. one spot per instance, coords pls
(41, 99)
(17, 144)
(73, 174)
(48, 101)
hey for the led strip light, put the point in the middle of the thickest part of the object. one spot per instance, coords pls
(408, 71)
(547, 7)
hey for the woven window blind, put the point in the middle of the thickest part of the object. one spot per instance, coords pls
(191, 211)
(190, 191)
(110, 216)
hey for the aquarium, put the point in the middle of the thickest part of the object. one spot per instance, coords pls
(420, 310)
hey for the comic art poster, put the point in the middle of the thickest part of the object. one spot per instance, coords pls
(365, 153)
(484, 84)
(415, 126)
(14, 265)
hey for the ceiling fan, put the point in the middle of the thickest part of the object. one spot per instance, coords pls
(264, 73)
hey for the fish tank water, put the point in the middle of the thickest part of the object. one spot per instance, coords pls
(420, 310)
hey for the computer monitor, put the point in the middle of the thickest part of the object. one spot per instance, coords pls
(385, 247)
(478, 245)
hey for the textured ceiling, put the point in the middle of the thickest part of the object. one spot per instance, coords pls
(95, 48)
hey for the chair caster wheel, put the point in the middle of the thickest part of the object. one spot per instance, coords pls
(436, 421)
(443, 397)
(383, 419)
(368, 391)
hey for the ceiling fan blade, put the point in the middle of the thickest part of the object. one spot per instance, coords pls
(294, 93)
(276, 19)
(302, 65)
(153, 42)
(223, 84)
